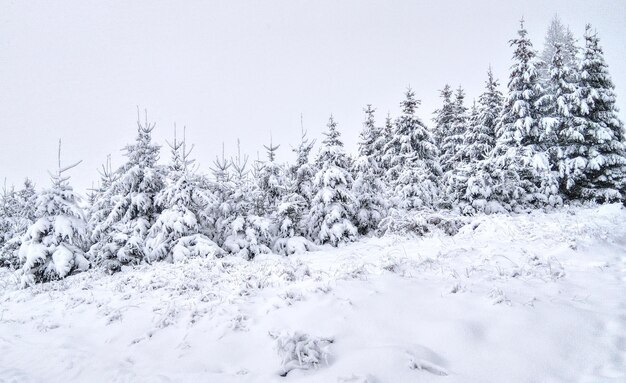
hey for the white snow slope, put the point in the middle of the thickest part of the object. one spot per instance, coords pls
(527, 298)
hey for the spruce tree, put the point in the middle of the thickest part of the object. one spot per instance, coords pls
(333, 206)
(412, 158)
(452, 141)
(444, 116)
(594, 151)
(557, 109)
(54, 246)
(522, 170)
(17, 213)
(480, 137)
(291, 210)
(558, 34)
(177, 233)
(475, 182)
(123, 232)
(368, 187)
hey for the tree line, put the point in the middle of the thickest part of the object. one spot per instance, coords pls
(553, 138)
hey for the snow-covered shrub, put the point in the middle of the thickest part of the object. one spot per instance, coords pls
(300, 351)
(293, 245)
(420, 222)
(248, 236)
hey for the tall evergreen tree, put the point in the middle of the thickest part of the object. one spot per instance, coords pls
(444, 116)
(452, 142)
(480, 137)
(133, 209)
(475, 182)
(368, 187)
(54, 246)
(413, 159)
(557, 109)
(594, 148)
(558, 34)
(522, 169)
(332, 208)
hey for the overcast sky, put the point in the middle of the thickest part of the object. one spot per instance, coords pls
(77, 70)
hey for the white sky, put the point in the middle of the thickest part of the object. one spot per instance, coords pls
(77, 70)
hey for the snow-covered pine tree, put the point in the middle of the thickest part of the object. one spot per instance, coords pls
(54, 245)
(480, 137)
(522, 174)
(102, 203)
(177, 233)
(368, 188)
(478, 143)
(133, 211)
(452, 140)
(294, 204)
(386, 133)
(239, 226)
(558, 34)
(272, 180)
(453, 160)
(594, 148)
(8, 214)
(557, 110)
(413, 160)
(332, 208)
(17, 213)
(26, 198)
(443, 116)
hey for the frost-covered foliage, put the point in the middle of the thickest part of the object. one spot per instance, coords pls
(177, 232)
(522, 173)
(300, 351)
(120, 237)
(17, 213)
(412, 158)
(452, 140)
(333, 206)
(555, 135)
(368, 187)
(593, 145)
(54, 245)
(558, 34)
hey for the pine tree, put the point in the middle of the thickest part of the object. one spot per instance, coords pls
(474, 181)
(368, 187)
(444, 116)
(558, 34)
(133, 210)
(53, 247)
(271, 180)
(332, 208)
(522, 169)
(452, 141)
(380, 146)
(177, 233)
(17, 213)
(594, 149)
(413, 160)
(291, 210)
(9, 209)
(480, 137)
(557, 109)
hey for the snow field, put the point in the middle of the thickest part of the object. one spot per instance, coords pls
(534, 297)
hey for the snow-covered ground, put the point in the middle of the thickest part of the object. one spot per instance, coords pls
(528, 298)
